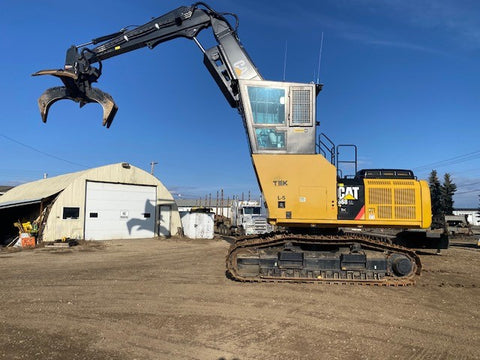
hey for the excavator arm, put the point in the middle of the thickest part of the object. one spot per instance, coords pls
(227, 62)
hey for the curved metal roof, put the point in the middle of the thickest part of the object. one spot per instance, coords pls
(35, 191)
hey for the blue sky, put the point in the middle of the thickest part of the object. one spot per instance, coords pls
(401, 82)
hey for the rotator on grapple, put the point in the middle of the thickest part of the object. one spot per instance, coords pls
(302, 188)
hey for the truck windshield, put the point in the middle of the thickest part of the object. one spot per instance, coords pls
(251, 210)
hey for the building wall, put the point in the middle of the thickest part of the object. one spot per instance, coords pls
(74, 196)
(473, 216)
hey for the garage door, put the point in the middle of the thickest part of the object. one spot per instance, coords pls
(119, 211)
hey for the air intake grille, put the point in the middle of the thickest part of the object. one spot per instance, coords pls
(384, 212)
(405, 212)
(379, 196)
(392, 199)
(301, 105)
(404, 196)
(379, 182)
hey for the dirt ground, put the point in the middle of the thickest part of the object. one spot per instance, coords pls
(170, 299)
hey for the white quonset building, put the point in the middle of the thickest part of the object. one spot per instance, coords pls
(117, 201)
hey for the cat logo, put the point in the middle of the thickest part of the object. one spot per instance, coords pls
(240, 67)
(346, 193)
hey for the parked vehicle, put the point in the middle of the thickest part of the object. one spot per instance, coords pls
(247, 218)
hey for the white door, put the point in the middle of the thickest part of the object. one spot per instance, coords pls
(165, 220)
(119, 211)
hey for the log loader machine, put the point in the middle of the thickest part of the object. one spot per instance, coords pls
(302, 189)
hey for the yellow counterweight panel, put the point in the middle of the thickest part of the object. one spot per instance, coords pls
(426, 204)
(298, 189)
(396, 202)
(301, 190)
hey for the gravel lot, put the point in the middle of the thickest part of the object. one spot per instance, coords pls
(170, 299)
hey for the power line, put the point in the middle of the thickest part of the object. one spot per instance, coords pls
(42, 152)
(466, 186)
(470, 171)
(470, 184)
(455, 160)
(468, 192)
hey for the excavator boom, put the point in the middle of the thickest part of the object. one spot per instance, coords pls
(227, 62)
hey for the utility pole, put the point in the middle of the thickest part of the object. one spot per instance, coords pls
(152, 166)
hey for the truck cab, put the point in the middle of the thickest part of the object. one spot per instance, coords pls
(249, 218)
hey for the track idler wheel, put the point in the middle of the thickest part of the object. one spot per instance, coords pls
(402, 265)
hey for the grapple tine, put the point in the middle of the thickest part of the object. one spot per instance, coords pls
(62, 74)
(108, 105)
(49, 97)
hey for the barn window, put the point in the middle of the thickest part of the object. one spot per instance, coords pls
(71, 212)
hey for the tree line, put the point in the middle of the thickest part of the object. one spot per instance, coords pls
(441, 194)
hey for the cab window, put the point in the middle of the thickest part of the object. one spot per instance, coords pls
(267, 104)
(268, 138)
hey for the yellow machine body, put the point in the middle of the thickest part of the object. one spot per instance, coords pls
(303, 190)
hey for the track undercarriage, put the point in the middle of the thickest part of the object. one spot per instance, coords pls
(343, 258)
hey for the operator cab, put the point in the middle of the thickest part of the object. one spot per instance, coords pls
(279, 116)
